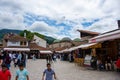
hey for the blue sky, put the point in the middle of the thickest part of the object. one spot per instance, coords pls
(60, 18)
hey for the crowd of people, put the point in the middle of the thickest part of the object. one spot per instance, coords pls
(107, 65)
(52, 57)
(19, 59)
(16, 57)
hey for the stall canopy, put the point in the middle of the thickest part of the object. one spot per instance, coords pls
(115, 34)
(86, 45)
(46, 52)
(17, 49)
(65, 50)
(83, 46)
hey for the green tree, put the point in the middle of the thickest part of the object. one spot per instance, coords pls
(30, 35)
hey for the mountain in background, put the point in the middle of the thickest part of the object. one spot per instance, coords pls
(29, 34)
(5, 31)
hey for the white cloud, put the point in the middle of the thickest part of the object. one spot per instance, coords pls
(70, 12)
(44, 28)
(10, 21)
(104, 25)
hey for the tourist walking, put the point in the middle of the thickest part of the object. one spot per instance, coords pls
(22, 73)
(23, 59)
(19, 58)
(7, 61)
(5, 73)
(55, 57)
(48, 58)
(69, 57)
(14, 59)
(34, 57)
(49, 73)
(93, 62)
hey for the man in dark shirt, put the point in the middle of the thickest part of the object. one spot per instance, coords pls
(108, 63)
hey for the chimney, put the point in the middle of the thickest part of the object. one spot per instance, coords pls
(118, 24)
(24, 34)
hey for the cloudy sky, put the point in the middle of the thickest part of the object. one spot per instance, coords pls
(60, 18)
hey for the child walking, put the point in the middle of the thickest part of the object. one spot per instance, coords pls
(5, 73)
(22, 73)
(49, 73)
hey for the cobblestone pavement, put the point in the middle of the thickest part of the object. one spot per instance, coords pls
(66, 71)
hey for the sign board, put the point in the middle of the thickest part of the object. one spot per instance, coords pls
(87, 60)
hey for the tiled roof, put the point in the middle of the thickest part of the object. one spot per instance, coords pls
(34, 46)
(14, 37)
(59, 49)
(89, 32)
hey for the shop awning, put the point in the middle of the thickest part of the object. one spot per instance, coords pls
(106, 36)
(73, 48)
(86, 45)
(65, 50)
(45, 52)
(16, 49)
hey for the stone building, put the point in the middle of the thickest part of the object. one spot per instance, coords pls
(65, 42)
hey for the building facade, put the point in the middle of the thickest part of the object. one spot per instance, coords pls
(64, 43)
(39, 41)
(110, 42)
(14, 42)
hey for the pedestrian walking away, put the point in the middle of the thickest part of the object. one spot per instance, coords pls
(48, 58)
(34, 57)
(22, 73)
(7, 61)
(19, 58)
(49, 72)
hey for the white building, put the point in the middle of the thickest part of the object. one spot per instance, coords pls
(39, 41)
(13, 42)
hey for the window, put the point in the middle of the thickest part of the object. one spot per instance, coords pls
(21, 43)
(14, 42)
(25, 43)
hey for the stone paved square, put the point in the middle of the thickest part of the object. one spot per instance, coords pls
(66, 71)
